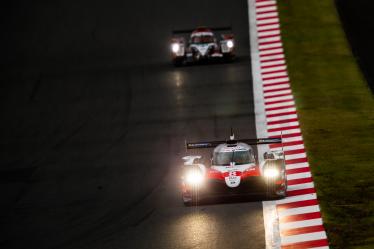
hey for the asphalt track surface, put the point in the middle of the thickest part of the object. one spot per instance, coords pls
(94, 119)
(358, 22)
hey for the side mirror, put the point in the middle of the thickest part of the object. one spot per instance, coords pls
(190, 160)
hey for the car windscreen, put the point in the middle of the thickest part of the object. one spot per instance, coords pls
(202, 39)
(239, 157)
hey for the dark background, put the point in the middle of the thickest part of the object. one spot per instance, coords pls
(93, 123)
(358, 21)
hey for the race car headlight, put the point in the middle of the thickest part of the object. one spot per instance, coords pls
(175, 47)
(271, 173)
(230, 44)
(194, 177)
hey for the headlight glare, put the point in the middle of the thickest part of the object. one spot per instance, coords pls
(230, 44)
(194, 177)
(175, 47)
(271, 173)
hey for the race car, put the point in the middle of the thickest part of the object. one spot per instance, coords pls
(233, 170)
(202, 46)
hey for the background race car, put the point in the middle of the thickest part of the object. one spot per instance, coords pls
(233, 170)
(202, 45)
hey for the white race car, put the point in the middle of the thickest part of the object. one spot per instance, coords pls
(233, 171)
(202, 45)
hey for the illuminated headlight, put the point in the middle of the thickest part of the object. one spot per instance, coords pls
(271, 173)
(175, 47)
(230, 44)
(194, 177)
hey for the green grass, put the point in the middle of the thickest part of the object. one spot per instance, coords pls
(336, 111)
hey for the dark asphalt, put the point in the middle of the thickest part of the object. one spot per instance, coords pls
(94, 119)
(358, 21)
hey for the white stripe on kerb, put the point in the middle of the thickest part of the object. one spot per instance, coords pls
(297, 165)
(300, 224)
(271, 75)
(292, 147)
(266, 15)
(269, 94)
(275, 68)
(299, 176)
(265, 3)
(297, 198)
(290, 131)
(292, 139)
(280, 86)
(270, 45)
(273, 63)
(263, 9)
(272, 99)
(266, 33)
(291, 109)
(295, 156)
(274, 126)
(270, 39)
(300, 186)
(303, 237)
(265, 21)
(272, 51)
(280, 104)
(298, 210)
(280, 118)
(278, 80)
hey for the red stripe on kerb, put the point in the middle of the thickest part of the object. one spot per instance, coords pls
(297, 204)
(283, 121)
(293, 152)
(301, 192)
(279, 107)
(278, 101)
(266, 49)
(299, 181)
(268, 43)
(265, 12)
(276, 83)
(301, 230)
(272, 60)
(298, 217)
(279, 95)
(277, 90)
(266, 6)
(267, 36)
(276, 65)
(266, 18)
(282, 114)
(274, 78)
(273, 54)
(298, 170)
(307, 244)
(298, 160)
(284, 128)
(271, 29)
(273, 146)
(288, 135)
(275, 71)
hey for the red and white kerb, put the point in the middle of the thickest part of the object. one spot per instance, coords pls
(298, 216)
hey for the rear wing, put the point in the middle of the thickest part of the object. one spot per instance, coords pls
(189, 31)
(250, 141)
